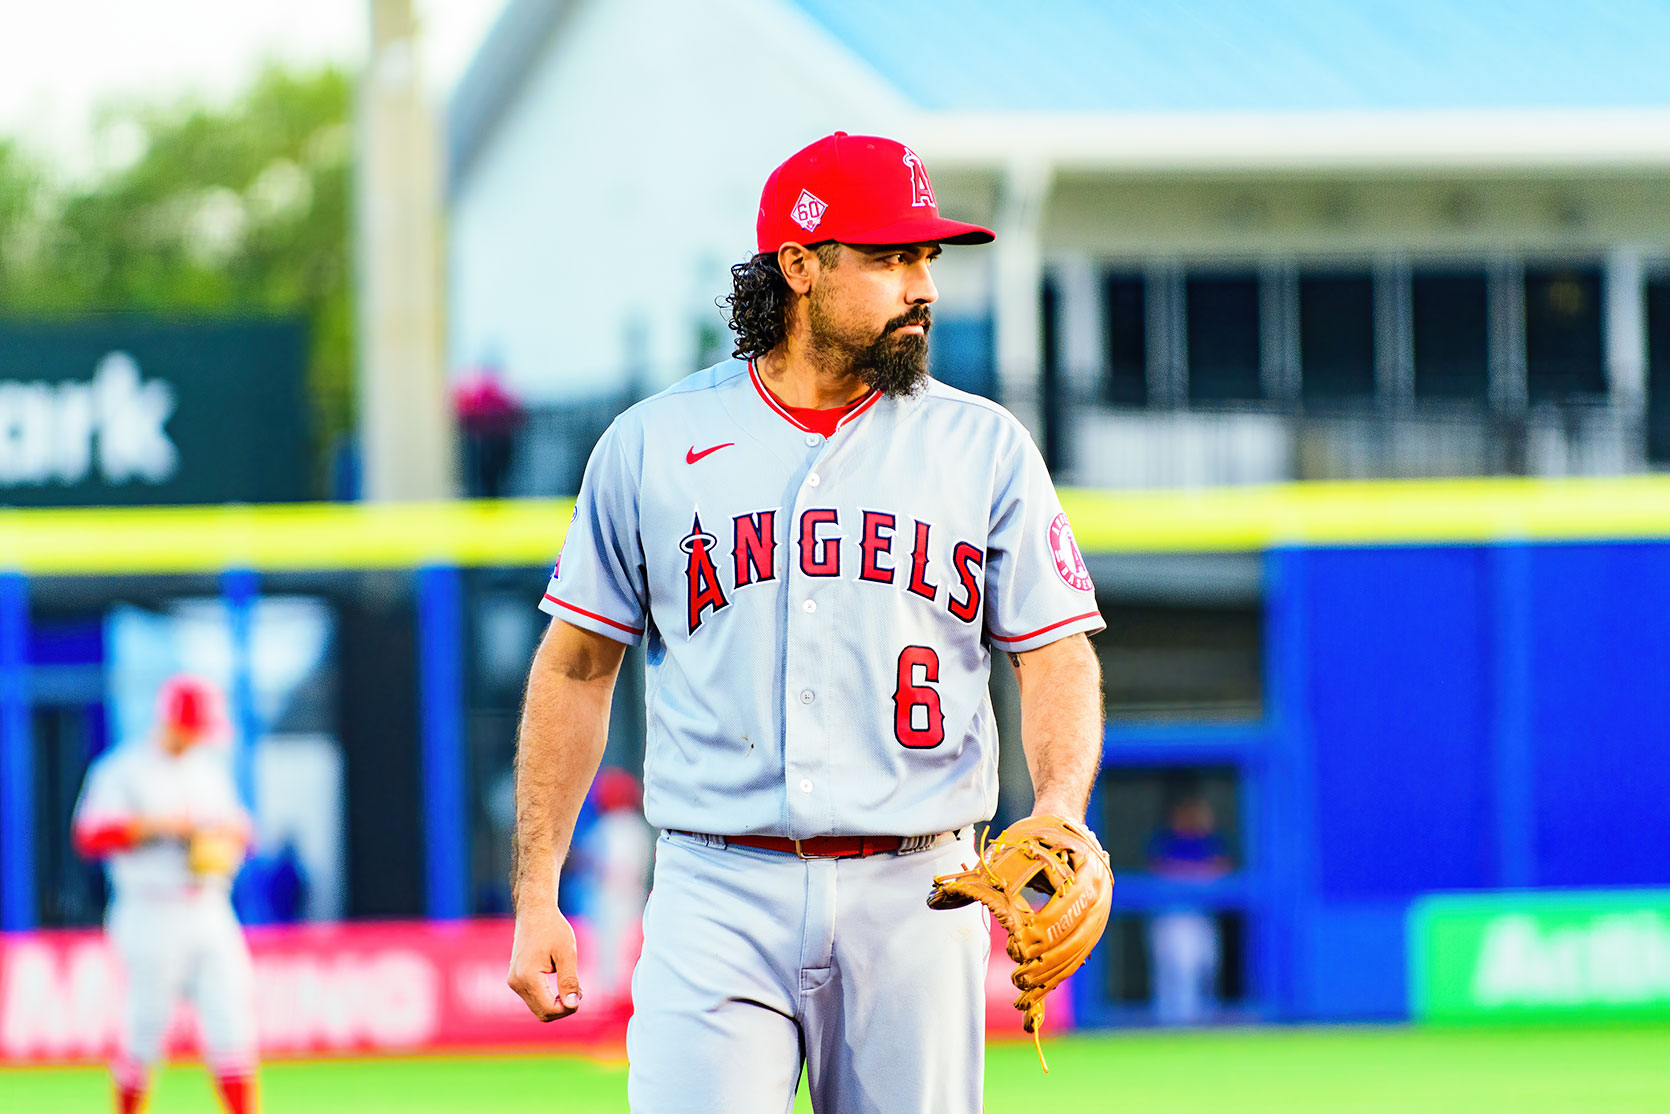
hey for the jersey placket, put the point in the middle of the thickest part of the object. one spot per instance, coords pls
(811, 676)
(808, 681)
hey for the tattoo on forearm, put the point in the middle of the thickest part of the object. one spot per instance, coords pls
(1015, 660)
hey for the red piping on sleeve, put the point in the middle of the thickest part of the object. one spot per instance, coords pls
(1045, 630)
(593, 615)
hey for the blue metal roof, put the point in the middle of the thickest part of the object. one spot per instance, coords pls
(1260, 55)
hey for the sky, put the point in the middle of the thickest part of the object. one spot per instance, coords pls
(60, 60)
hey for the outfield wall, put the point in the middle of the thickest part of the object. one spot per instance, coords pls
(1457, 718)
(1465, 685)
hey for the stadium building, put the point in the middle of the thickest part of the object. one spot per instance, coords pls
(1236, 243)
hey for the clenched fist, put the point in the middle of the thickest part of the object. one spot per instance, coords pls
(544, 947)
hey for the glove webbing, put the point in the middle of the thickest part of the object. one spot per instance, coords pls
(985, 867)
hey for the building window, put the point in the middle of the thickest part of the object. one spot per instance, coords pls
(1336, 337)
(1125, 379)
(960, 354)
(1451, 322)
(1049, 372)
(1658, 370)
(1563, 352)
(1223, 338)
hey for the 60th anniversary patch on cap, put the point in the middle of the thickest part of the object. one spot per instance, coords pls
(858, 189)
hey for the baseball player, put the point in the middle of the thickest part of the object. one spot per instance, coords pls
(820, 547)
(164, 815)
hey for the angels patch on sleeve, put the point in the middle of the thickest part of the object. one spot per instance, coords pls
(1069, 562)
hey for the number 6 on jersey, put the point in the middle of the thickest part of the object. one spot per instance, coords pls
(915, 691)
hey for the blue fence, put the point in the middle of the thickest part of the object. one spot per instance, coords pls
(1444, 718)
(1437, 718)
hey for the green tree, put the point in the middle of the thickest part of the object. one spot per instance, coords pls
(19, 193)
(234, 209)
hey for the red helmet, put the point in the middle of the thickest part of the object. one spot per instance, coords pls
(617, 789)
(189, 705)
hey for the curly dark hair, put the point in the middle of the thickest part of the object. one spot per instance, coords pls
(759, 301)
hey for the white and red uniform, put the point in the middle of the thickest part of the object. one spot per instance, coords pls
(174, 931)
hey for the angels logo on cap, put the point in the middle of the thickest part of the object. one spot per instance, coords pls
(857, 189)
(921, 190)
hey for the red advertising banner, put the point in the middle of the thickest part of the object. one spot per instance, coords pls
(398, 987)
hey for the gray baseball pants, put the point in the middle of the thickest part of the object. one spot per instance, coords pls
(756, 963)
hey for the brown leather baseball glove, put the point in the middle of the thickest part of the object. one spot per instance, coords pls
(212, 854)
(1061, 859)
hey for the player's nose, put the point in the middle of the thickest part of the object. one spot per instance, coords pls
(920, 290)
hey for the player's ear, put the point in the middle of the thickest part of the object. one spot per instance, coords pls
(799, 265)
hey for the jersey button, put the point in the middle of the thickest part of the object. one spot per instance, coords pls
(813, 439)
(805, 785)
(809, 606)
(806, 696)
(813, 480)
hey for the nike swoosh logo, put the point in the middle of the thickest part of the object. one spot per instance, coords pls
(693, 456)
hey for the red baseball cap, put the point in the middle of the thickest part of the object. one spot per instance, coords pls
(858, 189)
(191, 705)
(615, 789)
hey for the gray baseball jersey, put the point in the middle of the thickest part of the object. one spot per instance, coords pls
(820, 610)
(139, 779)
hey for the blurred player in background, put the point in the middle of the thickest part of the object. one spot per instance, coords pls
(1183, 939)
(165, 815)
(619, 848)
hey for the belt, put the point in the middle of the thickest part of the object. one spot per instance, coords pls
(830, 847)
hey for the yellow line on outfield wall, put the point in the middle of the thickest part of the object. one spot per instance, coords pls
(276, 537)
(1387, 512)
(529, 532)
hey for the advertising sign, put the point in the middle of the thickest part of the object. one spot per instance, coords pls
(336, 989)
(121, 412)
(319, 989)
(1506, 956)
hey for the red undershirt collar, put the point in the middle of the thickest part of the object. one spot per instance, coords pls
(821, 421)
(810, 418)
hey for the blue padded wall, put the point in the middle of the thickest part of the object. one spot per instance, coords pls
(1600, 714)
(1399, 713)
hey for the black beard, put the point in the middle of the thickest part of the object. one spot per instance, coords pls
(897, 366)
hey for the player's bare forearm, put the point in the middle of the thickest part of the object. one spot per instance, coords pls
(1061, 723)
(565, 723)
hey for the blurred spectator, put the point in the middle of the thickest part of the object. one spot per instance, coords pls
(1183, 939)
(488, 416)
(272, 887)
(287, 885)
(618, 849)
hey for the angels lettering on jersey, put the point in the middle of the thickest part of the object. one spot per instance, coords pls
(892, 551)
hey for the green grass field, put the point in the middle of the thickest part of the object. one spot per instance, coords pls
(1291, 1071)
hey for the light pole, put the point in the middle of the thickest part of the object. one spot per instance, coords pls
(405, 423)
